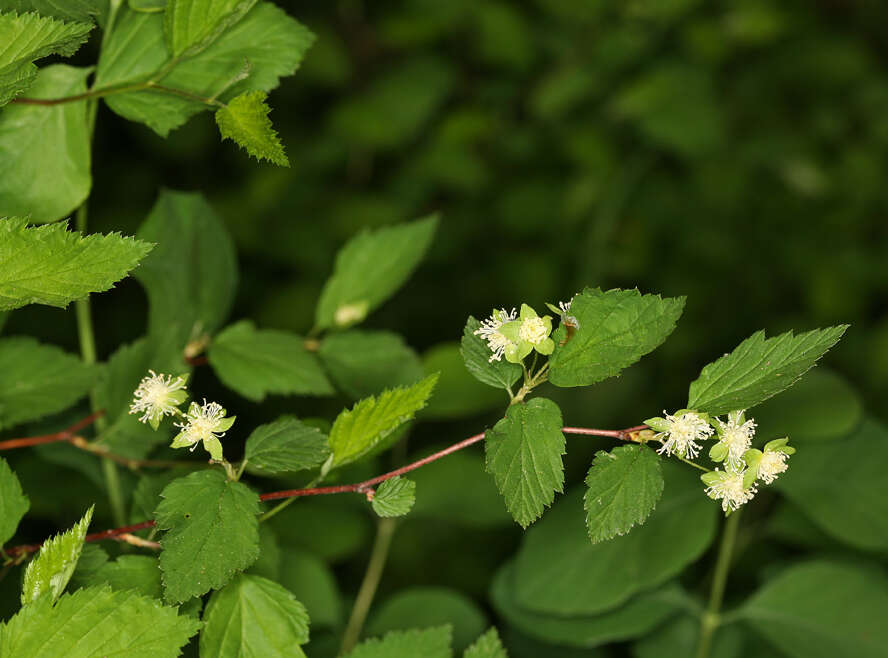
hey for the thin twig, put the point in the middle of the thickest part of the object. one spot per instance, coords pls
(67, 434)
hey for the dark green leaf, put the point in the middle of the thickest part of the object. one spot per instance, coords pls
(140, 573)
(285, 445)
(394, 497)
(458, 394)
(14, 504)
(313, 583)
(363, 363)
(428, 643)
(476, 354)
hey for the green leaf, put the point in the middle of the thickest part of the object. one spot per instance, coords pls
(192, 24)
(616, 329)
(266, 38)
(680, 636)
(245, 121)
(140, 573)
(358, 430)
(524, 452)
(256, 362)
(841, 486)
(284, 446)
(212, 533)
(458, 393)
(822, 610)
(38, 380)
(759, 368)
(394, 497)
(51, 570)
(623, 487)
(331, 527)
(14, 504)
(191, 275)
(52, 265)
(488, 645)
(97, 622)
(45, 150)
(253, 616)
(476, 354)
(428, 643)
(363, 363)
(559, 572)
(313, 583)
(370, 268)
(29, 36)
(84, 11)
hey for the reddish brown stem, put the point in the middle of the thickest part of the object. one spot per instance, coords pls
(65, 435)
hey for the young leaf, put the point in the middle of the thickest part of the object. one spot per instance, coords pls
(488, 645)
(14, 504)
(212, 533)
(370, 268)
(284, 446)
(29, 36)
(428, 643)
(52, 265)
(616, 329)
(623, 487)
(524, 452)
(253, 616)
(358, 430)
(192, 24)
(51, 570)
(256, 362)
(38, 380)
(759, 368)
(45, 151)
(394, 497)
(476, 354)
(97, 622)
(245, 121)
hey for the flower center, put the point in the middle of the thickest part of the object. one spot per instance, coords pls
(533, 330)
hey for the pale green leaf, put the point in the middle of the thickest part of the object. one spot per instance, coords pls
(50, 571)
(623, 487)
(476, 354)
(256, 362)
(140, 573)
(524, 452)
(97, 622)
(245, 121)
(52, 265)
(823, 610)
(253, 616)
(14, 504)
(458, 393)
(284, 446)
(488, 645)
(759, 368)
(616, 329)
(83, 11)
(394, 497)
(38, 380)
(370, 268)
(358, 430)
(428, 643)
(212, 533)
(192, 24)
(45, 150)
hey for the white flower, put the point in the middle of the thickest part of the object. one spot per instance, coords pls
(206, 423)
(729, 488)
(736, 437)
(490, 331)
(158, 396)
(772, 464)
(533, 330)
(682, 434)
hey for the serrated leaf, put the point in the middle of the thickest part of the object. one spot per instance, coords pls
(623, 487)
(524, 452)
(616, 329)
(370, 268)
(140, 573)
(191, 275)
(45, 150)
(488, 645)
(253, 616)
(212, 533)
(14, 504)
(428, 643)
(245, 121)
(29, 36)
(363, 363)
(83, 11)
(394, 497)
(358, 430)
(255, 362)
(476, 354)
(284, 446)
(38, 380)
(54, 266)
(192, 24)
(759, 368)
(97, 622)
(50, 571)
(270, 41)
(821, 610)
